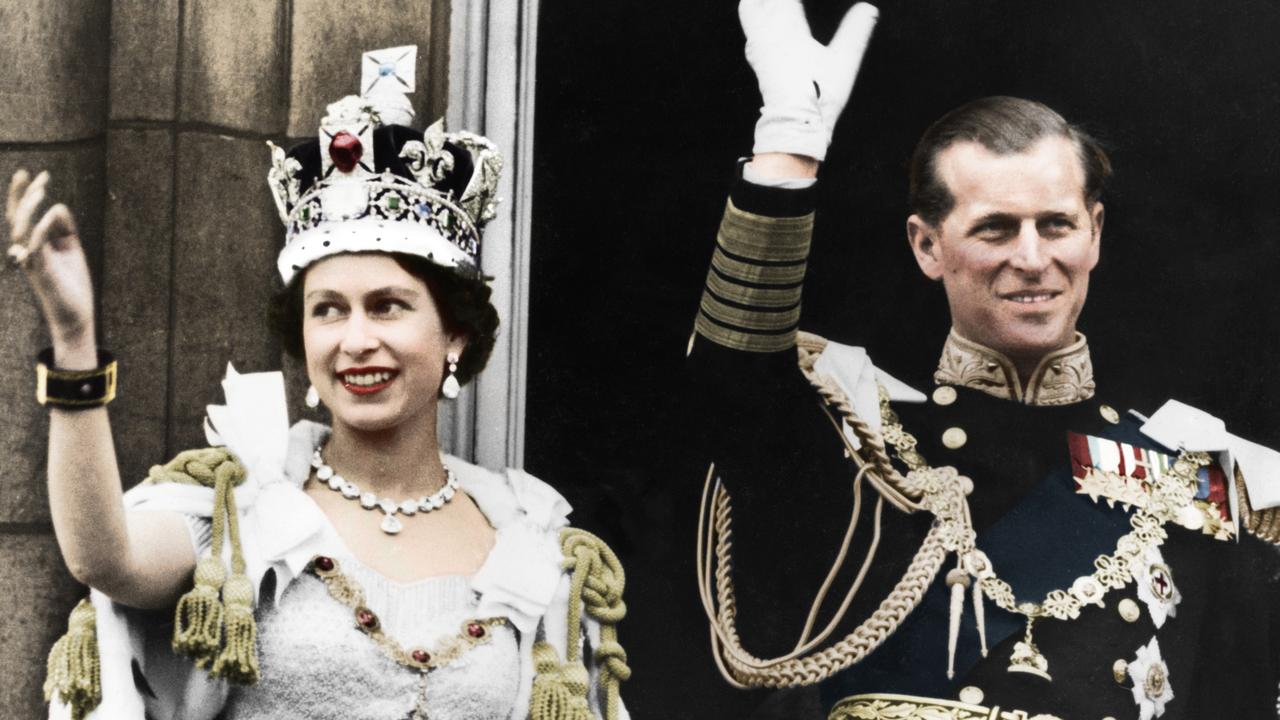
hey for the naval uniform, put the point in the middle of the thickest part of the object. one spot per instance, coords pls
(1216, 602)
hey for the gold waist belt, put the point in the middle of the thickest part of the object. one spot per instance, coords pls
(879, 706)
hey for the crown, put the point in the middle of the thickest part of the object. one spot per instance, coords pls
(370, 183)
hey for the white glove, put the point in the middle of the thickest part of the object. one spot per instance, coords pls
(804, 84)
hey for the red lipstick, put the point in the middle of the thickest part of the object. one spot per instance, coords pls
(357, 380)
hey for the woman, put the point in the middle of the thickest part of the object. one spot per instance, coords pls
(351, 572)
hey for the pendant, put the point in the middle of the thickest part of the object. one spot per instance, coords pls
(1026, 657)
(420, 705)
(391, 524)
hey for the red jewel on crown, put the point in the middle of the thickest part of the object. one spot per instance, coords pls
(475, 630)
(421, 656)
(323, 564)
(345, 150)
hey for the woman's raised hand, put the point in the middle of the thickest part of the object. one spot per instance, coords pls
(50, 253)
(803, 83)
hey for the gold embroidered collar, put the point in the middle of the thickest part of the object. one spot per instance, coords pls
(1063, 376)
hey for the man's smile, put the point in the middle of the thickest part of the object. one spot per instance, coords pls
(1030, 297)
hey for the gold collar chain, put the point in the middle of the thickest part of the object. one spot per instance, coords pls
(449, 648)
(940, 488)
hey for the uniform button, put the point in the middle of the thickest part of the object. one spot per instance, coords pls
(1120, 671)
(944, 395)
(954, 438)
(971, 695)
(1109, 414)
(1129, 610)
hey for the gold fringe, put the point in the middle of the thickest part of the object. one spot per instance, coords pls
(238, 662)
(72, 670)
(197, 621)
(559, 689)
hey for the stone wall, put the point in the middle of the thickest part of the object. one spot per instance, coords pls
(152, 117)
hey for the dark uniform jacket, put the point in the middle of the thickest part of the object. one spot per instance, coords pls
(791, 486)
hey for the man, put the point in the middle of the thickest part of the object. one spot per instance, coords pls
(1068, 565)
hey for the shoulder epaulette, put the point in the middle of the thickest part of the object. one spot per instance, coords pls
(1264, 524)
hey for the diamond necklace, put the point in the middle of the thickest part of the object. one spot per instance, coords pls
(369, 501)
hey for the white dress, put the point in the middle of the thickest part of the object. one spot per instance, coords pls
(313, 662)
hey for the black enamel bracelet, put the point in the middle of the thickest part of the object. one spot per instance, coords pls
(75, 389)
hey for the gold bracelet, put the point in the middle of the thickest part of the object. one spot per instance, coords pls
(75, 389)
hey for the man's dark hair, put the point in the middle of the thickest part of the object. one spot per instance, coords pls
(1003, 125)
(464, 305)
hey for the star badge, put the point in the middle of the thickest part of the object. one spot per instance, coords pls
(1155, 585)
(1150, 676)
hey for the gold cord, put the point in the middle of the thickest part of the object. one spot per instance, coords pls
(801, 666)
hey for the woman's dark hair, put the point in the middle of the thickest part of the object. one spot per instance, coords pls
(463, 303)
(1002, 125)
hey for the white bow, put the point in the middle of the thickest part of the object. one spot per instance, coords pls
(254, 424)
(851, 369)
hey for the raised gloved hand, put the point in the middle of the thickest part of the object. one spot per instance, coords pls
(803, 83)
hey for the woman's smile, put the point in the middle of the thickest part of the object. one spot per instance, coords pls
(367, 380)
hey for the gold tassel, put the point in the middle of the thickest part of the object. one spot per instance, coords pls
(72, 670)
(197, 622)
(957, 580)
(559, 689)
(980, 615)
(216, 599)
(238, 661)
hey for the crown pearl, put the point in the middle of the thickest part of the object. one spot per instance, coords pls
(345, 150)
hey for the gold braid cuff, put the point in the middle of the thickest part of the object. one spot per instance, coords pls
(751, 301)
(878, 706)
